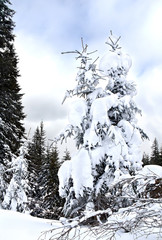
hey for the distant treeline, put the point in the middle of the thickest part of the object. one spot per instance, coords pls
(156, 155)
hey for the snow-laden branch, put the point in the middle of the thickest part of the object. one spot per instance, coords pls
(141, 218)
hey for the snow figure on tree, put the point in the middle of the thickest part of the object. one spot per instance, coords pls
(107, 137)
(16, 195)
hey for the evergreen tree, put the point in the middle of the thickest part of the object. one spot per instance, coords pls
(66, 156)
(11, 109)
(107, 136)
(36, 160)
(160, 157)
(156, 154)
(145, 159)
(43, 165)
(154, 159)
(16, 194)
(52, 202)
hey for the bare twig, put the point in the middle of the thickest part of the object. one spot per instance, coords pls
(141, 218)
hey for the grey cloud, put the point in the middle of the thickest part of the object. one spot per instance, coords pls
(149, 99)
(62, 23)
(43, 108)
(59, 25)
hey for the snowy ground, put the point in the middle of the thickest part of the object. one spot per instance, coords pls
(17, 226)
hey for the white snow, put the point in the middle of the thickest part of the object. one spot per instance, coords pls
(90, 137)
(82, 176)
(126, 130)
(151, 170)
(78, 110)
(18, 226)
(100, 107)
(104, 126)
(15, 196)
(97, 92)
(115, 60)
(88, 75)
(64, 174)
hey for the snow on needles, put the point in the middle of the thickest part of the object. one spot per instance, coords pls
(78, 110)
(81, 177)
(112, 60)
(103, 123)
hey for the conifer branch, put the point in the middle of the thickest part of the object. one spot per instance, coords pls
(82, 43)
(95, 60)
(68, 52)
(91, 52)
(113, 44)
(85, 49)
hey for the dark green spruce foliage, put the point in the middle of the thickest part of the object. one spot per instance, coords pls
(11, 109)
(160, 157)
(66, 156)
(145, 159)
(52, 202)
(156, 155)
(43, 165)
(36, 160)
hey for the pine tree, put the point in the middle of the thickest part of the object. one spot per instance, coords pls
(155, 152)
(16, 194)
(66, 156)
(36, 166)
(145, 159)
(160, 157)
(107, 136)
(52, 202)
(11, 109)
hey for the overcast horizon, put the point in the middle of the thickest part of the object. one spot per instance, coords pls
(44, 29)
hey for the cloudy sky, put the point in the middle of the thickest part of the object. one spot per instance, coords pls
(46, 28)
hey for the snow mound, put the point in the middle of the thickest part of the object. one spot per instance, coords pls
(18, 226)
(150, 170)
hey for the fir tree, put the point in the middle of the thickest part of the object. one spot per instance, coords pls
(107, 136)
(52, 202)
(36, 166)
(16, 194)
(145, 159)
(43, 165)
(155, 152)
(11, 109)
(160, 157)
(66, 155)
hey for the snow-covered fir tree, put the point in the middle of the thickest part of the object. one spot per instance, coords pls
(66, 155)
(104, 126)
(16, 194)
(11, 109)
